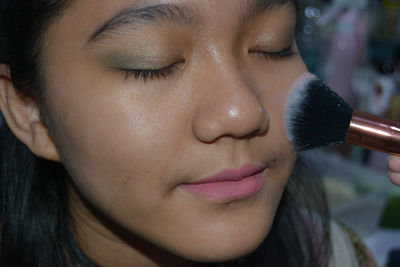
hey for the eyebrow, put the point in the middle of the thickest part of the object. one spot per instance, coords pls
(255, 7)
(147, 15)
(159, 14)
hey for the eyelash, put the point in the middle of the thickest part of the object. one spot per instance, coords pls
(280, 55)
(146, 75)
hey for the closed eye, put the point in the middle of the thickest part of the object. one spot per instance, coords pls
(150, 74)
(283, 54)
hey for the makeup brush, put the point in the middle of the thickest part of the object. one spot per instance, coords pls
(316, 116)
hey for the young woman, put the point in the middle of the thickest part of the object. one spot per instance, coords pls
(150, 133)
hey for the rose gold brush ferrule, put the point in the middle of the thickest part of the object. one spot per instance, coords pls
(373, 132)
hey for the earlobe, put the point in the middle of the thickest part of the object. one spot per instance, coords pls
(22, 116)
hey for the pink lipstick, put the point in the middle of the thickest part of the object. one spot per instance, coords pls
(230, 184)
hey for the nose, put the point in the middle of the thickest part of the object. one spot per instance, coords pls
(229, 107)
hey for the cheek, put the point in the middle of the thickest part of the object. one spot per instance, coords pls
(273, 93)
(107, 141)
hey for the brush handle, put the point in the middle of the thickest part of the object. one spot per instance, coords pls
(373, 132)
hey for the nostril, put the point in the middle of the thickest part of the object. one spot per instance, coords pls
(253, 134)
(264, 124)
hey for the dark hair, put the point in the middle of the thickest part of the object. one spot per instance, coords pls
(35, 228)
(33, 191)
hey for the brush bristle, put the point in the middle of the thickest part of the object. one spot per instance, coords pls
(315, 115)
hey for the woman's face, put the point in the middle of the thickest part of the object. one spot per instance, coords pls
(168, 116)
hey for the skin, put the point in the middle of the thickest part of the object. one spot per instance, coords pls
(128, 145)
(394, 169)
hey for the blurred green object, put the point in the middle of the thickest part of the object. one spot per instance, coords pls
(391, 214)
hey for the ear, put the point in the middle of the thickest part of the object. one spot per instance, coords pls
(22, 116)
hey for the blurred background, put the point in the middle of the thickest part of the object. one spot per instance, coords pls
(354, 45)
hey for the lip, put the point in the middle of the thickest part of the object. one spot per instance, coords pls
(229, 184)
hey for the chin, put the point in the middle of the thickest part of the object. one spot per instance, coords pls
(223, 253)
(225, 246)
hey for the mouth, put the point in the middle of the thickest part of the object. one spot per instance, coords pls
(229, 185)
